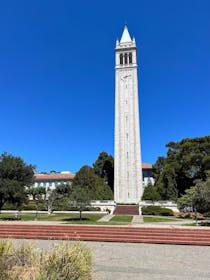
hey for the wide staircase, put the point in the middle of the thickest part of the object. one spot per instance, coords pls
(126, 210)
(107, 233)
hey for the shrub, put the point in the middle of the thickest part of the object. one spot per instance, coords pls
(189, 215)
(25, 206)
(15, 260)
(62, 262)
(206, 215)
(66, 262)
(9, 206)
(156, 211)
(166, 212)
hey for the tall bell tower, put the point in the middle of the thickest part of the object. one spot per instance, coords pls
(127, 152)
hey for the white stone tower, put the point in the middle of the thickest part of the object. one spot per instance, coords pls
(127, 152)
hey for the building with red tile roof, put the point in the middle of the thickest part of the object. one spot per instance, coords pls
(51, 180)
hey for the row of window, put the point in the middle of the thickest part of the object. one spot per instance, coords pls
(50, 184)
(125, 58)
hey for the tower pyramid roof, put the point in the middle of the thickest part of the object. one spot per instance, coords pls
(125, 36)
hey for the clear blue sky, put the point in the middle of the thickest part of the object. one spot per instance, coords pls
(57, 76)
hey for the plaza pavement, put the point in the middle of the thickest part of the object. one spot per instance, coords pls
(123, 261)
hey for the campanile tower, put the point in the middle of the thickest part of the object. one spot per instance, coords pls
(127, 152)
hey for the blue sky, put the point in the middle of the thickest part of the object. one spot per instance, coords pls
(57, 76)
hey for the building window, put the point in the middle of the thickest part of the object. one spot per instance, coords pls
(126, 58)
(121, 58)
(130, 58)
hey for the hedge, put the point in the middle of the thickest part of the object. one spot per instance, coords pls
(156, 211)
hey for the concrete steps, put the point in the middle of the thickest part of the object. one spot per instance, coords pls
(126, 210)
(107, 233)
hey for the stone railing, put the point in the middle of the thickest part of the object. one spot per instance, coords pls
(104, 205)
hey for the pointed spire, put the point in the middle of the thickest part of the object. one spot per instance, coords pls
(125, 36)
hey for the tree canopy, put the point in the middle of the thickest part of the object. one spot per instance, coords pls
(197, 197)
(104, 168)
(185, 162)
(80, 199)
(15, 175)
(95, 186)
(151, 193)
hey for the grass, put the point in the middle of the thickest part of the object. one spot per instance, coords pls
(73, 218)
(158, 219)
(67, 218)
(121, 219)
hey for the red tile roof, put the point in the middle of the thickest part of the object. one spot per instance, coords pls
(70, 176)
(146, 166)
(57, 176)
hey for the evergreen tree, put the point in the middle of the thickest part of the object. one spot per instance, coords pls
(185, 162)
(15, 176)
(197, 197)
(151, 193)
(95, 186)
(104, 167)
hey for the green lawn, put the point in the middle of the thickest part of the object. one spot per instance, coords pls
(66, 218)
(69, 218)
(158, 219)
(122, 219)
(86, 218)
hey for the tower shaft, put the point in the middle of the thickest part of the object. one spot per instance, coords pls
(128, 169)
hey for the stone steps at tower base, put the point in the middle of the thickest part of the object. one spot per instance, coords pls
(126, 210)
(107, 233)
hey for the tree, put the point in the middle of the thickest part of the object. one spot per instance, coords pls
(185, 162)
(186, 201)
(95, 187)
(197, 197)
(15, 176)
(35, 192)
(59, 196)
(151, 193)
(39, 195)
(80, 198)
(104, 167)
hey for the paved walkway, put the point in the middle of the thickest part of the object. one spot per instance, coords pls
(137, 219)
(105, 218)
(125, 261)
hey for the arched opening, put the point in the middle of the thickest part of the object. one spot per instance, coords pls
(121, 58)
(126, 58)
(130, 58)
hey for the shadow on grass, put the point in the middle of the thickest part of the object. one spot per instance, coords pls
(75, 219)
(9, 219)
(204, 224)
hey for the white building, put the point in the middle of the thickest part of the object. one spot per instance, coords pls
(52, 180)
(147, 174)
(128, 186)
